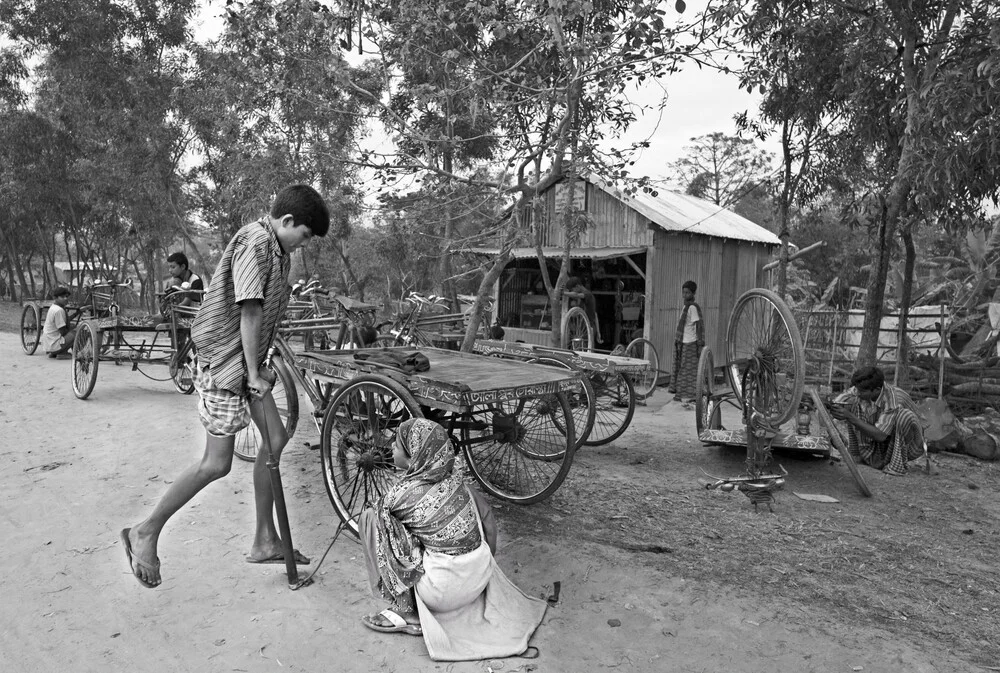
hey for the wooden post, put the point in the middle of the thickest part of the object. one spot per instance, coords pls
(833, 350)
(941, 353)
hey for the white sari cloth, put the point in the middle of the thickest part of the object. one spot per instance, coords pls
(469, 610)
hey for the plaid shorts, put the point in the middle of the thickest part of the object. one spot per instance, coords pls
(222, 412)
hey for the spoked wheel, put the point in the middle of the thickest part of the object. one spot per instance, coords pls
(762, 335)
(182, 372)
(577, 332)
(708, 414)
(643, 349)
(359, 429)
(582, 400)
(615, 406)
(286, 398)
(31, 328)
(522, 451)
(85, 359)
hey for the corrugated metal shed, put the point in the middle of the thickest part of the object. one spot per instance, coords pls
(682, 213)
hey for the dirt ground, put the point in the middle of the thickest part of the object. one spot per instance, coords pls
(693, 580)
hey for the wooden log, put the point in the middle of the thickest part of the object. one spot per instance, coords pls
(992, 389)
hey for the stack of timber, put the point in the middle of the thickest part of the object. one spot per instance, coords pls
(975, 383)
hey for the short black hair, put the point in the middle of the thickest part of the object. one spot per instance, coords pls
(305, 205)
(690, 285)
(179, 258)
(572, 282)
(868, 378)
(60, 291)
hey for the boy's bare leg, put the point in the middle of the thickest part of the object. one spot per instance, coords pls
(214, 464)
(267, 542)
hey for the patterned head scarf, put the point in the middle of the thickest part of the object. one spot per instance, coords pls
(423, 505)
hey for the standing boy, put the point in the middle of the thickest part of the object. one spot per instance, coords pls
(232, 333)
(689, 339)
(57, 335)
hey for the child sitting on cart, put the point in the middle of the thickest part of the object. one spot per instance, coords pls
(57, 335)
(428, 545)
(232, 333)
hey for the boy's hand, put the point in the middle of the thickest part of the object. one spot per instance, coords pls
(258, 385)
(840, 413)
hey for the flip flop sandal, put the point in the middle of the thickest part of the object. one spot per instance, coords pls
(399, 625)
(135, 559)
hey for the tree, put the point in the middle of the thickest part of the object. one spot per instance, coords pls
(723, 169)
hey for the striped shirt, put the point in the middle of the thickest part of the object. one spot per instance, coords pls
(253, 266)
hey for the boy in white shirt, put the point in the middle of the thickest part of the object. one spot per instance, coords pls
(57, 335)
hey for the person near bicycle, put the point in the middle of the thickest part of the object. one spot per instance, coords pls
(232, 333)
(183, 280)
(689, 339)
(883, 427)
(57, 335)
(575, 289)
(428, 546)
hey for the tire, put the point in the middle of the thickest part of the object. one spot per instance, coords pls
(31, 328)
(615, 406)
(182, 373)
(762, 330)
(708, 413)
(577, 330)
(582, 400)
(85, 359)
(643, 349)
(520, 454)
(286, 398)
(359, 429)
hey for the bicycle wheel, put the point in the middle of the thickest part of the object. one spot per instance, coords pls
(643, 349)
(359, 428)
(520, 454)
(577, 332)
(708, 414)
(182, 370)
(615, 406)
(762, 334)
(85, 359)
(31, 328)
(286, 398)
(582, 399)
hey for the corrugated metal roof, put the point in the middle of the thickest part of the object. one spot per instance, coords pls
(681, 213)
(575, 253)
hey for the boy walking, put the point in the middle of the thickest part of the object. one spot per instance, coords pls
(232, 333)
(57, 335)
(688, 342)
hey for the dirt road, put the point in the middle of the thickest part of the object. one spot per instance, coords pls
(75, 472)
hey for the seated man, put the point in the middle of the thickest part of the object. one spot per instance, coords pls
(57, 335)
(183, 279)
(883, 427)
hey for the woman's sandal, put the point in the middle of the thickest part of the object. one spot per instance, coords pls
(399, 625)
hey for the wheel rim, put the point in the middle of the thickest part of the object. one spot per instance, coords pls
(522, 456)
(84, 361)
(29, 329)
(643, 349)
(581, 401)
(577, 331)
(359, 430)
(763, 336)
(706, 406)
(613, 408)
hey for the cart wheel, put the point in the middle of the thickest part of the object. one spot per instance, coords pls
(85, 359)
(31, 332)
(643, 349)
(359, 428)
(708, 413)
(582, 400)
(762, 329)
(521, 456)
(577, 332)
(182, 370)
(615, 406)
(286, 398)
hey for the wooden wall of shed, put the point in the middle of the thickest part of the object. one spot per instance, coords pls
(612, 223)
(723, 269)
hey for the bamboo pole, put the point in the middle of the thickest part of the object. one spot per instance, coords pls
(833, 350)
(941, 357)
